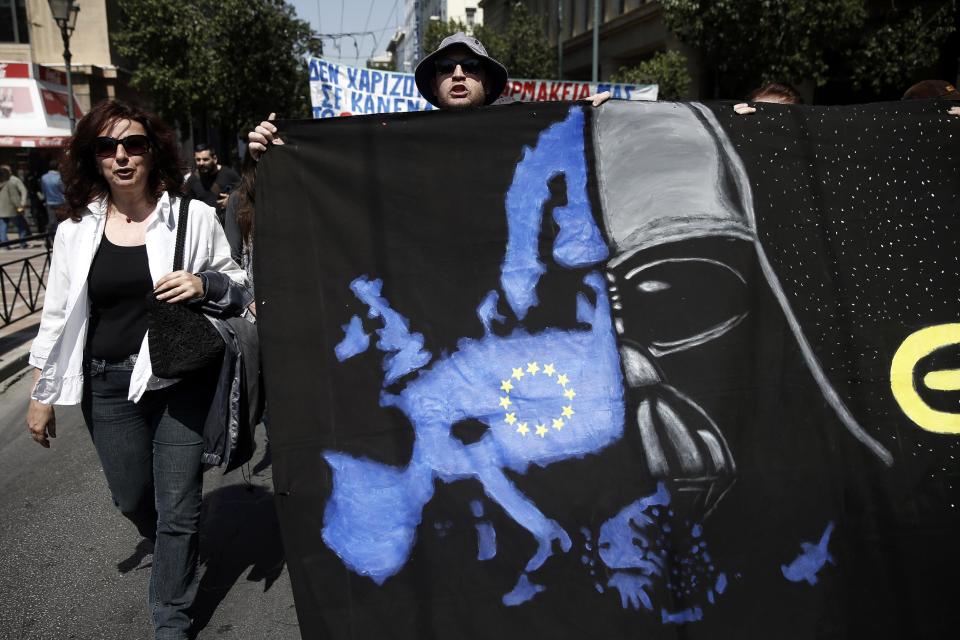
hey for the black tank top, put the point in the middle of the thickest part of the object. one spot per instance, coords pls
(118, 283)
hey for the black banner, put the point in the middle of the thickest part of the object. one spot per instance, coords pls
(652, 370)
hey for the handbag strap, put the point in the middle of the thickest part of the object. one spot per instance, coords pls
(181, 233)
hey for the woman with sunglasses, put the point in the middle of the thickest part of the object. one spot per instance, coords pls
(121, 176)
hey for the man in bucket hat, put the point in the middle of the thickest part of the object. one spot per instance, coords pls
(459, 75)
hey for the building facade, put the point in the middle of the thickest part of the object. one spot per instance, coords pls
(467, 12)
(98, 71)
(418, 14)
(631, 31)
(33, 94)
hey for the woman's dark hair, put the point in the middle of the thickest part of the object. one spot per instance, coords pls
(779, 91)
(246, 198)
(78, 170)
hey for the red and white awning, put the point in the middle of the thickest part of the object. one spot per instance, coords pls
(33, 106)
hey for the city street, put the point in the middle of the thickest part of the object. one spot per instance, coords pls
(72, 566)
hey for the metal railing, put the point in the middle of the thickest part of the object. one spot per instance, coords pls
(23, 281)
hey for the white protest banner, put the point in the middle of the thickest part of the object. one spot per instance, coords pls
(553, 90)
(341, 90)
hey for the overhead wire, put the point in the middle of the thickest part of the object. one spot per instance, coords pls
(336, 43)
(367, 24)
(353, 35)
(390, 15)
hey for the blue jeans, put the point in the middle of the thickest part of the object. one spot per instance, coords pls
(150, 452)
(22, 229)
(52, 221)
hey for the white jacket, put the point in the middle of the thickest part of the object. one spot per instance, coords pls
(58, 349)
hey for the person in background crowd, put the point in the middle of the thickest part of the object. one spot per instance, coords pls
(934, 90)
(238, 223)
(31, 179)
(121, 182)
(53, 198)
(776, 92)
(13, 203)
(212, 182)
(238, 226)
(458, 76)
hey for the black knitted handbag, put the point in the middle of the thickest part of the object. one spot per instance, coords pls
(181, 339)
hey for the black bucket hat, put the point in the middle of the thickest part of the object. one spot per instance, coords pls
(496, 72)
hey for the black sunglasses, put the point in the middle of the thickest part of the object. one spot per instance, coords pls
(448, 65)
(135, 145)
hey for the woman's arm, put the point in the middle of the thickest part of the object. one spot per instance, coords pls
(53, 316)
(211, 280)
(226, 292)
(41, 420)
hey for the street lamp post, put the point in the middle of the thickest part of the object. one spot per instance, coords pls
(559, 39)
(596, 41)
(65, 13)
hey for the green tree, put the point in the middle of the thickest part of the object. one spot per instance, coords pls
(436, 31)
(522, 47)
(754, 41)
(902, 43)
(226, 62)
(766, 40)
(667, 69)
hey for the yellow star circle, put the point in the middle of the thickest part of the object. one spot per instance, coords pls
(531, 370)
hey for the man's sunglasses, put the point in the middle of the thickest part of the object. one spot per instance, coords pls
(135, 145)
(469, 65)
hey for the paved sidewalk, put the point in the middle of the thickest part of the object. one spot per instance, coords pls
(73, 568)
(15, 341)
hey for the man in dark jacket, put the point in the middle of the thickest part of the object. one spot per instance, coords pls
(212, 182)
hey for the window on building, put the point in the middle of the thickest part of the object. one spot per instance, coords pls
(610, 9)
(471, 16)
(549, 12)
(13, 21)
